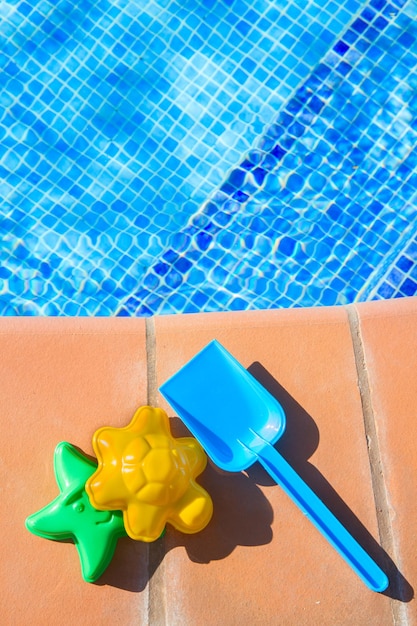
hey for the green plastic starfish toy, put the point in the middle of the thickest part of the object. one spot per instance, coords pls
(71, 516)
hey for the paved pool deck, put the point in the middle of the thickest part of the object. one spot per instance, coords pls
(346, 377)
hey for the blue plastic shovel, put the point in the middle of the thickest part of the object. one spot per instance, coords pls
(237, 420)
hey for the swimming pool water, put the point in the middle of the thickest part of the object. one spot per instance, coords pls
(163, 157)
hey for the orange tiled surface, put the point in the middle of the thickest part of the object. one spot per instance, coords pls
(259, 561)
(60, 380)
(390, 345)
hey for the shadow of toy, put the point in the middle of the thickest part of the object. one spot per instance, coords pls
(297, 445)
(242, 514)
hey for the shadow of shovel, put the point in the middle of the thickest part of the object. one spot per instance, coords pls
(237, 421)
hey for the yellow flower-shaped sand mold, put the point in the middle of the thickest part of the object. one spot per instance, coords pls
(149, 475)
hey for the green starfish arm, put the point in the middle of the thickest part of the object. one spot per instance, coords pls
(71, 466)
(71, 516)
(94, 562)
(49, 522)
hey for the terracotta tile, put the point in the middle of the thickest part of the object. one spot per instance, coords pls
(61, 379)
(260, 561)
(389, 335)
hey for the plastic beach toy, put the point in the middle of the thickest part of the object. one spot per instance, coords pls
(236, 420)
(150, 476)
(71, 516)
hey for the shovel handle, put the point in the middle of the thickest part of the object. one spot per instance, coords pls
(324, 520)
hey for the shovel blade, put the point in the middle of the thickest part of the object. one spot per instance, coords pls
(223, 405)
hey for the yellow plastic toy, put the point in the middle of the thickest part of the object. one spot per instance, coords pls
(150, 475)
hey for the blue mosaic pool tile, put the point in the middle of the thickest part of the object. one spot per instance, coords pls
(368, 152)
(111, 142)
(401, 278)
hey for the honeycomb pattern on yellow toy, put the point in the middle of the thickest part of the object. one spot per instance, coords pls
(150, 475)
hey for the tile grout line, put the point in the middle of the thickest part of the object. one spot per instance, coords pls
(156, 549)
(375, 461)
(152, 388)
